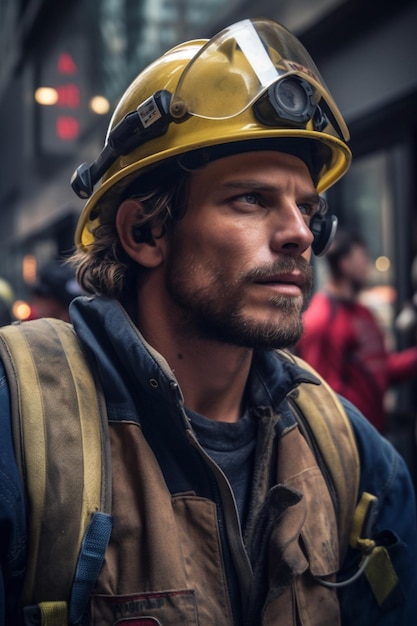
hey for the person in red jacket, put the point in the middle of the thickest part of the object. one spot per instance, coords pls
(342, 338)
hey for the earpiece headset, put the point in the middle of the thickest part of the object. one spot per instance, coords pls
(323, 228)
(142, 234)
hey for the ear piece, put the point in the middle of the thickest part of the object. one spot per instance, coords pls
(142, 234)
(323, 228)
(138, 241)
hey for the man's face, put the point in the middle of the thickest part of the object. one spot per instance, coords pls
(238, 266)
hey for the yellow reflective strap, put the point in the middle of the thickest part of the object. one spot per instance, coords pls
(53, 613)
(89, 422)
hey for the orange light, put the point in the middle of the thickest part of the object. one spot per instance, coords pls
(29, 268)
(22, 310)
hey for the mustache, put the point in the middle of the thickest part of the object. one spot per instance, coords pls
(283, 265)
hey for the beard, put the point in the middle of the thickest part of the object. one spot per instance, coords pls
(215, 312)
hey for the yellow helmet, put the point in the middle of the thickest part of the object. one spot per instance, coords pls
(252, 86)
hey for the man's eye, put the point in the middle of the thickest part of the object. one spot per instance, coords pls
(249, 198)
(308, 209)
(247, 202)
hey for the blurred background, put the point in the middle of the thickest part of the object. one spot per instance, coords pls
(63, 66)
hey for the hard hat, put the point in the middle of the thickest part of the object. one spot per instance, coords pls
(253, 86)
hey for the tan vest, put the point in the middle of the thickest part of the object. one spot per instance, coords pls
(164, 562)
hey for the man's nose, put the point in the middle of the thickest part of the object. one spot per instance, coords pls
(291, 232)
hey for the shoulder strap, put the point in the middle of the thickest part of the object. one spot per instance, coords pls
(329, 430)
(59, 426)
(324, 422)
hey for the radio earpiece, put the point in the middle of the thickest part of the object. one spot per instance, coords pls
(142, 234)
(323, 228)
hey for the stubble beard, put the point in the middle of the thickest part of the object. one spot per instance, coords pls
(215, 312)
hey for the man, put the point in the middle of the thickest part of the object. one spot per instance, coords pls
(54, 290)
(196, 249)
(342, 338)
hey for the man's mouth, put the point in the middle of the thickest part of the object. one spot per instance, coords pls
(294, 279)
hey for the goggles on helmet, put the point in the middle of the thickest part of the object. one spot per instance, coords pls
(254, 63)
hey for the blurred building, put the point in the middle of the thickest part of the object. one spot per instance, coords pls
(84, 53)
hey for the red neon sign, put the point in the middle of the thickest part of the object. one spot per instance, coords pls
(67, 128)
(61, 122)
(66, 64)
(68, 96)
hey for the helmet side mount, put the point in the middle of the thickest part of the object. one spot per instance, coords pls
(150, 120)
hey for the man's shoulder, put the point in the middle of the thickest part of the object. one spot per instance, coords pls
(381, 464)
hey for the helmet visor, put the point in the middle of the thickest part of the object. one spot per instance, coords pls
(235, 68)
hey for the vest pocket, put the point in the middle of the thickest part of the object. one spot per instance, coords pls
(173, 607)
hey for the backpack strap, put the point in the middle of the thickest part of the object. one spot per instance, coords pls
(60, 432)
(324, 422)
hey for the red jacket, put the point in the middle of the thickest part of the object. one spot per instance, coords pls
(344, 343)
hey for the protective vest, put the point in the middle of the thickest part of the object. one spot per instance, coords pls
(70, 527)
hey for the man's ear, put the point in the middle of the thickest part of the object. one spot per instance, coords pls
(139, 243)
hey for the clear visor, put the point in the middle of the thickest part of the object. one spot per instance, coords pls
(235, 68)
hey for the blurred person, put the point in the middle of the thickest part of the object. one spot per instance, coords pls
(228, 456)
(342, 338)
(6, 302)
(54, 290)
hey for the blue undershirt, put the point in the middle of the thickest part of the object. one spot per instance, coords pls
(232, 448)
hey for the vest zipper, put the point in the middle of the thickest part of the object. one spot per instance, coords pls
(230, 531)
(228, 520)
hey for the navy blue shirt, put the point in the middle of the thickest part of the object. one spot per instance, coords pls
(232, 447)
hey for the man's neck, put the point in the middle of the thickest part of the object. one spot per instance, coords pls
(212, 375)
(213, 379)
